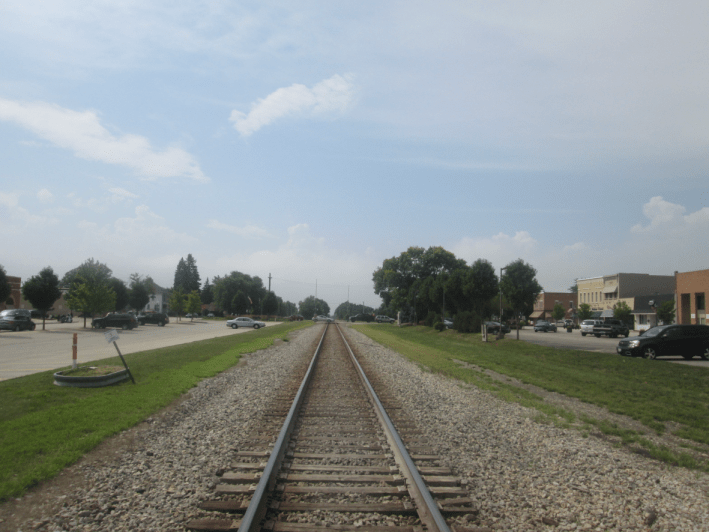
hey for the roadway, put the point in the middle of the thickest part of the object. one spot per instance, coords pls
(23, 353)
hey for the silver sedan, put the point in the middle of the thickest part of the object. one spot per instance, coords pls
(244, 322)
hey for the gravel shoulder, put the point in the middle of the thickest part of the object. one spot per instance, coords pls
(522, 474)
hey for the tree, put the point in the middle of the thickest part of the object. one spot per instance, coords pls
(121, 290)
(186, 275)
(412, 279)
(585, 311)
(666, 312)
(98, 297)
(207, 295)
(177, 303)
(574, 288)
(481, 286)
(622, 311)
(90, 296)
(140, 292)
(240, 303)
(90, 268)
(194, 303)
(558, 312)
(312, 306)
(270, 303)
(520, 287)
(42, 291)
(225, 288)
(5, 289)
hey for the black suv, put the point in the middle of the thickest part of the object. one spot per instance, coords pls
(153, 317)
(124, 321)
(686, 341)
(362, 317)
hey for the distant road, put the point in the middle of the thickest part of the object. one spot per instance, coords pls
(23, 353)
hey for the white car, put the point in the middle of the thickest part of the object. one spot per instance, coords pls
(587, 326)
(323, 318)
(244, 322)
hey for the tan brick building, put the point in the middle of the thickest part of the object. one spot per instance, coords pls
(603, 292)
(691, 296)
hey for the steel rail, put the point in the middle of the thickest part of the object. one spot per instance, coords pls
(257, 507)
(429, 513)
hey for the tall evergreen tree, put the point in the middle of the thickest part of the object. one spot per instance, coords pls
(207, 296)
(186, 275)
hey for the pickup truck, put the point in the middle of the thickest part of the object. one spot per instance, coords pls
(611, 328)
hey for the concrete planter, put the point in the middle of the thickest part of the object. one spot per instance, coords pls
(88, 381)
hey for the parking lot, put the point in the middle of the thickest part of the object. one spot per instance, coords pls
(574, 340)
(23, 353)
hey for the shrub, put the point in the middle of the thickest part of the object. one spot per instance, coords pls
(439, 326)
(431, 318)
(467, 322)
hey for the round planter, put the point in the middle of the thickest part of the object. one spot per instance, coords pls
(87, 381)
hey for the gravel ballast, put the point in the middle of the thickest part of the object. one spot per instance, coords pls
(522, 474)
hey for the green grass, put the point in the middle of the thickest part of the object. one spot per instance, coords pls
(44, 428)
(652, 392)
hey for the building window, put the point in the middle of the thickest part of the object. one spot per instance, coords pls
(699, 298)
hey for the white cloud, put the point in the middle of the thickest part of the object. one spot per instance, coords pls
(248, 231)
(120, 194)
(82, 132)
(499, 249)
(329, 96)
(45, 196)
(665, 216)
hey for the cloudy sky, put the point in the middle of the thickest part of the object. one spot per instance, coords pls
(313, 142)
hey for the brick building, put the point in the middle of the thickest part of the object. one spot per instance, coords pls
(691, 296)
(544, 305)
(15, 299)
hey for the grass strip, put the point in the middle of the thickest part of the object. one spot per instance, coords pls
(44, 428)
(652, 392)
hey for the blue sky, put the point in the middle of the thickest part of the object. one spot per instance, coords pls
(313, 140)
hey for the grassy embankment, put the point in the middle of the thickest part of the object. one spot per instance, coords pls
(656, 393)
(44, 428)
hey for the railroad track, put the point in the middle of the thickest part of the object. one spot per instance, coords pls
(333, 458)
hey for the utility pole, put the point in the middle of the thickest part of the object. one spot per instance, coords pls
(269, 282)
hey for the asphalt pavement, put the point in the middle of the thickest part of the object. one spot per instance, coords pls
(26, 352)
(574, 340)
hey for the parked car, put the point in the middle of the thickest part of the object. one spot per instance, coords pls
(323, 318)
(244, 322)
(384, 319)
(362, 317)
(544, 326)
(448, 322)
(588, 325)
(157, 318)
(686, 341)
(115, 319)
(16, 320)
(494, 327)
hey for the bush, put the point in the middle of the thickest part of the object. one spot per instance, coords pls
(439, 326)
(467, 322)
(431, 318)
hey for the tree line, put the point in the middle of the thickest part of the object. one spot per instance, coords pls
(433, 283)
(91, 289)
